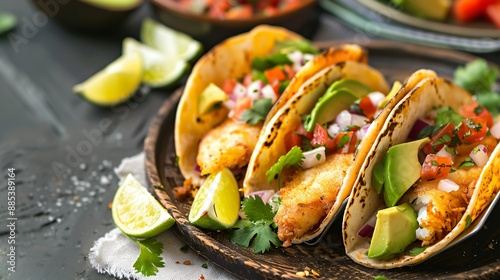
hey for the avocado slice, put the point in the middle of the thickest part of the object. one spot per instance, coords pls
(339, 96)
(431, 9)
(210, 98)
(395, 229)
(378, 176)
(401, 169)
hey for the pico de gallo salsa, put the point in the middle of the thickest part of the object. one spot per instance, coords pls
(237, 9)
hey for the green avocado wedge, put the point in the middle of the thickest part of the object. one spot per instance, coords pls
(339, 96)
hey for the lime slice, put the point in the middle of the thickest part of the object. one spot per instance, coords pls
(169, 41)
(217, 202)
(115, 83)
(159, 70)
(7, 22)
(137, 213)
(210, 97)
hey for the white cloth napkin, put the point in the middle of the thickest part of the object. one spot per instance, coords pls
(115, 253)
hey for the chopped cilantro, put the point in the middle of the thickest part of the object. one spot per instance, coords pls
(258, 230)
(149, 259)
(434, 163)
(258, 112)
(344, 140)
(446, 115)
(417, 250)
(294, 157)
(270, 61)
(283, 86)
(318, 156)
(445, 138)
(204, 265)
(466, 163)
(427, 131)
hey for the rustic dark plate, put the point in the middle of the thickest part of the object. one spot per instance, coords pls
(477, 257)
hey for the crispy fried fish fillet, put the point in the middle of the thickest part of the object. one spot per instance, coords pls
(307, 198)
(228, 145)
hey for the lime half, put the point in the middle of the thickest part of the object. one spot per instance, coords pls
(159, 70)
(169, 41)
(115, 83)
(7, 22)
(217, 202)
(137, 213)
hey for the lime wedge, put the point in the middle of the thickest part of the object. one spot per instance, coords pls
(137, 213)
(210, 97)
(159, 70)
(217, 202)
(7, 22)
(115, 83)
(169, 41)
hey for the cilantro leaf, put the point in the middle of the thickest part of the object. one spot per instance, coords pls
(255, 209)
(417, 250)
(258, 112)
(466, 163)
(270, 61)
(257, 230)
(476, 76)
(446, 115)
(294, 157)
(149, 259)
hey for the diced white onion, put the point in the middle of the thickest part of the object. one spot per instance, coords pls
(343, 119)
(376, 97)
(360, 134)
(313, 157)
(495, 130)
(422, 214)
(479, 155)
(308, 57)
(239, 91)
(447, 185)
(268, 92)
(422, 233)
(444, 153)
(265, 195)
(297, 58)
(359, 120)
(253, 90)
(333, 130)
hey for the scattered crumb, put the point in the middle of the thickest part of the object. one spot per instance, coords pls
(185, 191)
(202, 277)
(110, 205)
(490, 246)
(177, 262)
(187, 263)
(308, 272)
(75, 197)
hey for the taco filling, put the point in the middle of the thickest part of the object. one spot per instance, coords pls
(247, 101)
(431, 178)
(327, 139)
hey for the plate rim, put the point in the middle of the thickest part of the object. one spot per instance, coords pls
(219, 253)
(441, 27)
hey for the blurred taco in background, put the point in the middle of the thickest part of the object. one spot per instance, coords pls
(432, 170)
(232, 90)
(311, 150)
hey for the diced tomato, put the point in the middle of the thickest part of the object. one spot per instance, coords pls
(467, 10)
(472, 130)
(228, 86)
(242, 104)
(321, 138)
(292, 139)
(276, 87)
(473, 109)
(493, 13)
(437, 140)
(366, 105)
(345, 142)
(289, 71)
(275, 73)
(435, 167)
(240, 12)
(301, 130)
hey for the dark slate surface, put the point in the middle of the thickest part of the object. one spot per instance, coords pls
(64, 179)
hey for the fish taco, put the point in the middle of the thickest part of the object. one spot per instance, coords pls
(234, 88)
(431, 171)
(312, 149)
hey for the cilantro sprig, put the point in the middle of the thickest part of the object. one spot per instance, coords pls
(149, 259)
(479, 78)
(294, 158)
(258, 229)
(258, 112)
